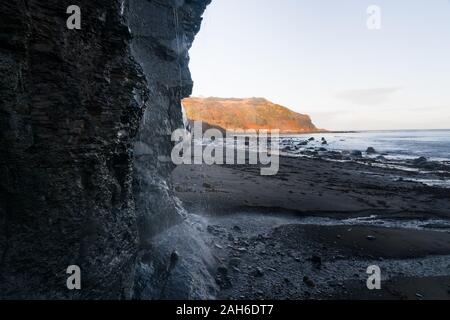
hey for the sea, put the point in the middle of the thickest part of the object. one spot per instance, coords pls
(399, 144)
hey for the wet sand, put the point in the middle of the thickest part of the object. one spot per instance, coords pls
(269, 240)
(310, 186)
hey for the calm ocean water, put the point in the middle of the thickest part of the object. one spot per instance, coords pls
(406, 144)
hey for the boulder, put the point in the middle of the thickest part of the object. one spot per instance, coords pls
(419, 161)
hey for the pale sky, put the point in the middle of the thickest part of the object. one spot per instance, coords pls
(318, 57)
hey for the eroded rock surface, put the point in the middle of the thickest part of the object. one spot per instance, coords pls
(85, 117)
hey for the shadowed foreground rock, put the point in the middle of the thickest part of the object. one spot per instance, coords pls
(84, 122)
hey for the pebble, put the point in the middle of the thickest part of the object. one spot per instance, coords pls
(316, 260)
(309, 282)
(235, 261)
(258, 272)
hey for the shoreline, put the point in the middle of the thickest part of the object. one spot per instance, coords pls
(267, 234)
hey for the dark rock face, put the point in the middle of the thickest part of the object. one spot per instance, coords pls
(74, 104)
(163, 32)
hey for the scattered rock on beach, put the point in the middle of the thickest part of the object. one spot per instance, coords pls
(370, 150)
(174, 257)
(257, 272)
(334, 155)
(316, 260)
(234, 262)
(309, 282)
(420, 161)
(222, 278)
(371, 238)
(356, 153)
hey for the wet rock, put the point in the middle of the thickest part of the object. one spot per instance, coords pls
(311, 153)
(310, 283)
(334, 155)
(420, 161)
(222, 278)
(316, 260)
(371, 238)
(72, 105)
(235, 261)
(311, 139)
(174, 257)
(258, 272)
(434, 165)
(356, 153)
(370, 150)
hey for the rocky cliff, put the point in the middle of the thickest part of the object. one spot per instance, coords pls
(252, 113)
(85, 123)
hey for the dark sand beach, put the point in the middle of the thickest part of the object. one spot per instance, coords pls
(312, 230)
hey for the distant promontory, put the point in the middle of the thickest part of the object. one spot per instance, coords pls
(247, 113)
